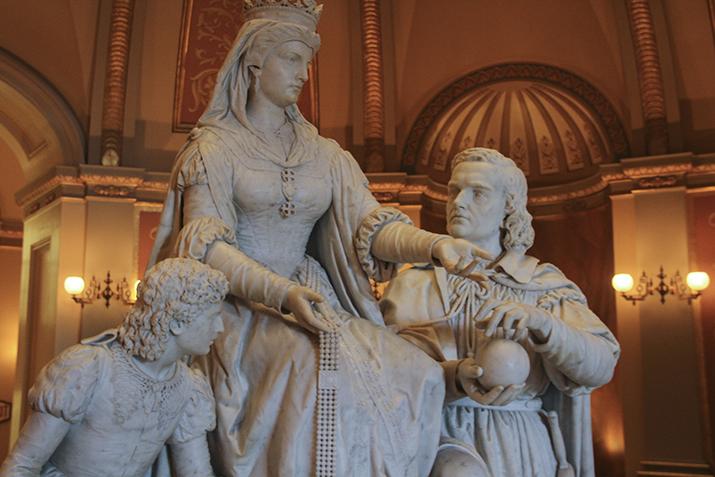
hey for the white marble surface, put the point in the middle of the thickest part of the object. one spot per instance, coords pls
(106, 407)
(519, 428)
(255, 190)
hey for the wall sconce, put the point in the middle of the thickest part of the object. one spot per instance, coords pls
(695, 283)
(75, 287)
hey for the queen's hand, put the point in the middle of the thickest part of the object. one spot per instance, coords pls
(460, 257)
(299, 301)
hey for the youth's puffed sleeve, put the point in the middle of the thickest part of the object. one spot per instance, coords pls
(59, 398)
(65, 387)
(199, 416)
(580, 353)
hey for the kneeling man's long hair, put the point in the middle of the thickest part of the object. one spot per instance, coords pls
(173, 289)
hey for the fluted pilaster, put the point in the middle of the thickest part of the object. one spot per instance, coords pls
(650, 77)
(373, 98)
(115, 84)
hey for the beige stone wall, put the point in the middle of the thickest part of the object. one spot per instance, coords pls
(149, 140)
(56, 38)
(10, 261)
(659, 366)
(693, 51)
(335, 81)
(52, 323)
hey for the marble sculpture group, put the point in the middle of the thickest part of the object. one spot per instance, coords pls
(478, 360)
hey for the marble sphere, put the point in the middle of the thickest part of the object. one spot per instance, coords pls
(505, 362)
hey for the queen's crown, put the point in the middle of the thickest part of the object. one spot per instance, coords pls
(302, 12)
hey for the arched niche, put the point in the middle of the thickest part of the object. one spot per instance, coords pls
(36, 122)
(554, 124)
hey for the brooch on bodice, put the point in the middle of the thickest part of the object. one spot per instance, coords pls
(287, 208)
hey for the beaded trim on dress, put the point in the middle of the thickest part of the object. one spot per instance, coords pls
(327, 399)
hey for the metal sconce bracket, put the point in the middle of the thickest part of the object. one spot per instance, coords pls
(94, 291)
(676, 286)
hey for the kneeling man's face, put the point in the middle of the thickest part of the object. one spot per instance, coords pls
(476, 203)
(196, 337)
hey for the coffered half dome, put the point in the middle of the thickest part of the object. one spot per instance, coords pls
(555, 135)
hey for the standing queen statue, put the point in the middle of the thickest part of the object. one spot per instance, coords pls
(307, 379)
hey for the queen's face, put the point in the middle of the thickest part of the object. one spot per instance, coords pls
(476, 204)
(284, 72)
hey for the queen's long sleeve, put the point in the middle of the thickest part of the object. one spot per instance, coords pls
(386, 237)
(209, 240)
(402, 242)
(247, 278)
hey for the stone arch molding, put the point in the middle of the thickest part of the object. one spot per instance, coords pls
(36, 122)
(556, 125)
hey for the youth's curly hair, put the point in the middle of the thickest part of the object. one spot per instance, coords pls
(516, 230)
(173, 289)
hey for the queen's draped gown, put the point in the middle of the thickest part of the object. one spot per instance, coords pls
(228, 186)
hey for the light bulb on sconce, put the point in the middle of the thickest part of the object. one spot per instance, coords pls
(696, 283)
(74, 285)
(622, 282)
